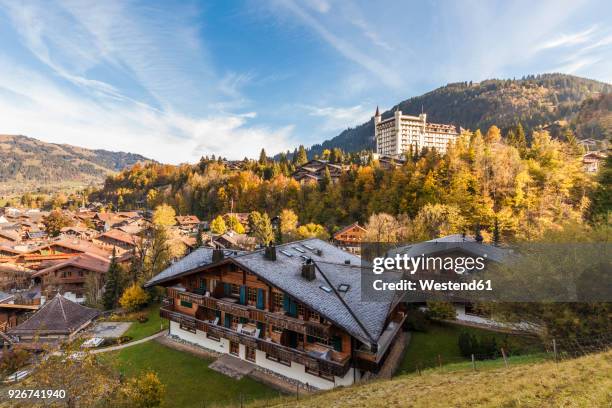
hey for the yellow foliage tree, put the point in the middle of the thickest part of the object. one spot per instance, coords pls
(133, 298)
(164, 215)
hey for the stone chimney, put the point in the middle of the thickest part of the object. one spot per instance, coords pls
(308, 270)
(270, 253)
(217, 255)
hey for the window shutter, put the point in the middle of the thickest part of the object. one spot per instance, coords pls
(260, 299)
(243, 295)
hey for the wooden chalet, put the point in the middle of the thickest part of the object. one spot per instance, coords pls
(294, 309)
(69, 277)
(188, 223)
(592, 161)
(350, 237)
(314, 170)
(115, 238)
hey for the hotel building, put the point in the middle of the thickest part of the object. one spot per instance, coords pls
(396, 134)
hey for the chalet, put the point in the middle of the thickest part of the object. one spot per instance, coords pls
(389, 163)
(294, 309)
(233, 240)
(15, 308)
(350, 237)
(57, 320)
(116, 238)
(69, 277)
(592, 160)
(314, 170)
(14, 276)
(188, 223)
(70, 246)
(8, 235)
(78, 232)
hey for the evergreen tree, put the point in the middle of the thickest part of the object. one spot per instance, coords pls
(263, 158)
(302, 157)
(521, 140)
(113, 286)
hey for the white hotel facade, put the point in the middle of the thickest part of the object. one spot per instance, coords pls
(396, 134)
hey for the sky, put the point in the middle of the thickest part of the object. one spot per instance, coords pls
(174, 81)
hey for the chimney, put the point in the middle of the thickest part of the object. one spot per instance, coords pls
(308, 270)
(217, 255)
(270, 253)
(347, 261)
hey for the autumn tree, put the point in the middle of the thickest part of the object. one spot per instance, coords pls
(218, 226)
(55, 221)
(312, 230)
(233, 223)
(261, 227)
(288, 224)
(381, 228)
(133, 298)
(164, 215)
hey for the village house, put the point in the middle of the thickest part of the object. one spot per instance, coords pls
(188, 223)
(350, 237)
(592, 161)
(70, 276)
(16, 307)
(232, 240)
(115, 238)
(314, 170)
(9, 235)
(57, 320)
(294, 309)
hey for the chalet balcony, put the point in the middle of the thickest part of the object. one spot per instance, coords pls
(278, 319)
(335, 363)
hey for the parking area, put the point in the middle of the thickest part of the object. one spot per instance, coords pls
(109, 329)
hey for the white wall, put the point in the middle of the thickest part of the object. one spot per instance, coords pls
(199, 338)
(295, 371)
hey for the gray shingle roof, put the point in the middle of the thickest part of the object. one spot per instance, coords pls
(199, 257)
(363, 320)
(58, 316)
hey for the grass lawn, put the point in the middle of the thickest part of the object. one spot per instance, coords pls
(442, 340)
(188, 380)
(139, 330)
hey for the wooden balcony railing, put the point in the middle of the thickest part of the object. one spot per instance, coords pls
(337, 368)
(309, 328)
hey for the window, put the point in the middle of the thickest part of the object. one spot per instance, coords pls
(212, 337)
(234, 348)
(320, 340)
(315, 316)
(279, 360)
(277, 329)
(187, 328)
(300, 310)
(319, 373)
(184, 303)
(235, 290)
(250, 354)
(252, 295)
(277, 300)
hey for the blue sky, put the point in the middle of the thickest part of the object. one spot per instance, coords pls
(175, 81)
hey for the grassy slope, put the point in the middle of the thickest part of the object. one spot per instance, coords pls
(139, 330)
(442, 339)
(584, 382)
(188, 380)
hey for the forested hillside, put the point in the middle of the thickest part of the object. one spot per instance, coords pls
(534, 101)
(484, 179)
(27, 164)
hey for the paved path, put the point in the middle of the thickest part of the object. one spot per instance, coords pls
(130, 344)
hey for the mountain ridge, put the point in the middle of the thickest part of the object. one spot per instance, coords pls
(27, 163)
(534, 100)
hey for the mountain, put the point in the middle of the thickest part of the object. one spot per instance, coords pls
(534, 101)
(28, 164)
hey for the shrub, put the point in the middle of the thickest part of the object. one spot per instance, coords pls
(441, 310)
(416, 320)
(134, 298)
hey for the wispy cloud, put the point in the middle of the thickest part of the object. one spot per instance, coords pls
(565, 40)
(338, 118)
(154, 90)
